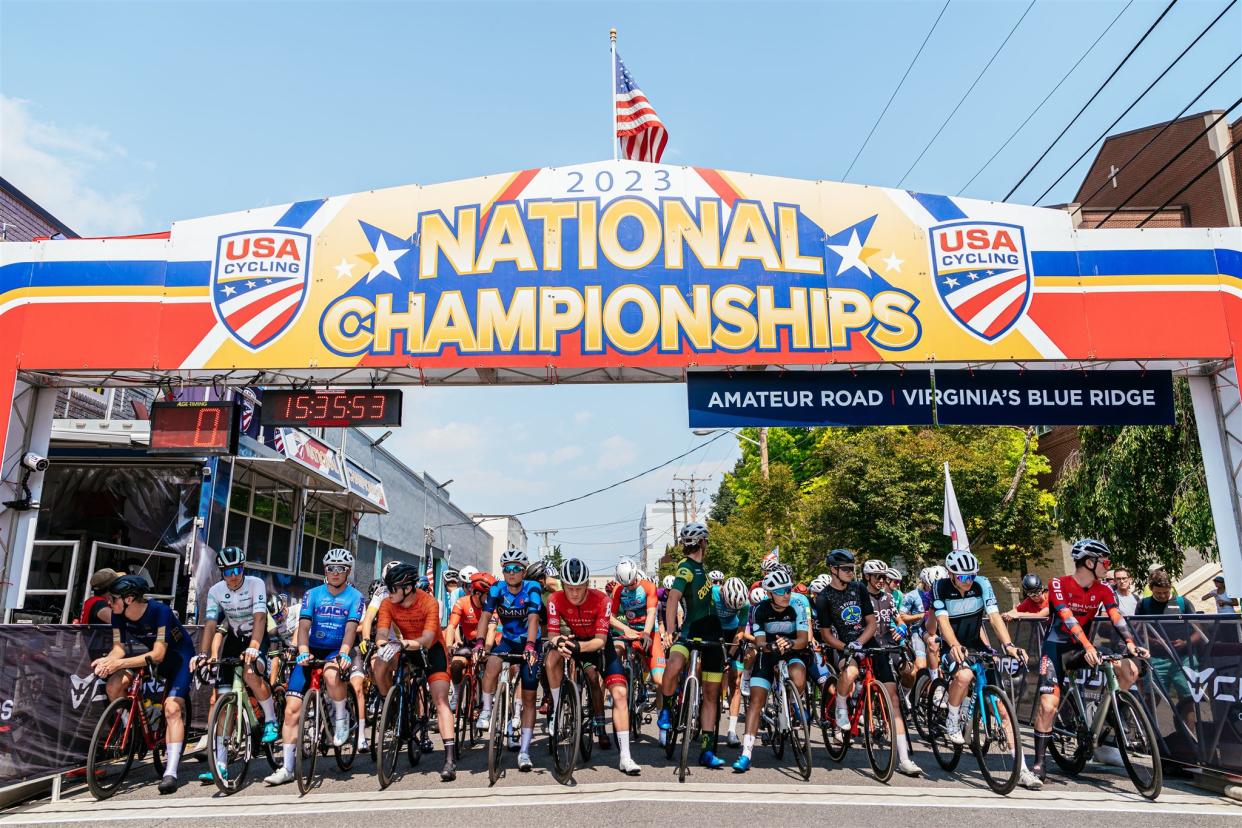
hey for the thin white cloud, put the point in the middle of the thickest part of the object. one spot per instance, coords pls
(566, 453)
(583, 416)
(615, 452)
(54, 165)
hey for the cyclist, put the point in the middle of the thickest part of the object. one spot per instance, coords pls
(282, 632)
(453, 591)
(463, 628)
(893, 579)
(415, 617)
(692, 590)
(876, 576)
(960, 602)
(732, 602)
(239, 604)
(716, 577)
(1075, 600)
(155, 626)
(516, 602)
(579, 620)
(911, 612)
(327, 629)
(1034, 603)
(633, 610)
(785, 625)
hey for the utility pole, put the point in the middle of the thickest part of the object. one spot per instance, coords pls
(546, 546)
(763, 452)
(693, 480)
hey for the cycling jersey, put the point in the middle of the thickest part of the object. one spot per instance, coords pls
(1073, 607)
(773, 623)
(582, 621)
(1038, 604)
(329, 614)
(844, 611)
(912, 604)
(803, 603)
(512, 609)
(466, 615)
(450, 600)
(284, 632)
(235, 609)
(696, 593)
(634, 603)
(965, 612)
(414, 621)
(159, 623)
(885, 617)
(730, 620)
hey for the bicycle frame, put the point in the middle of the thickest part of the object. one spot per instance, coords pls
(1108, 700)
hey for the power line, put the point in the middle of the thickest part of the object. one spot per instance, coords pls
(1063, 79)
(1090, 100)
(967, 94)
(900, 83)
(1169, 163)
(1135, 103)
(1168, 124)
(1192, 181)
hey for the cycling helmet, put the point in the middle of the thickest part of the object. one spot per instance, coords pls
(840, 557)
(1089, 548)
(452, 576)
(800, 589)
(277, 605)
(733, 594)
(692, 534)
(777, 579)
(338, 557)
(401, 575)
(424, 583)
(1032, 584)
(628, 572)
(388, 568)
(231, 556)
(716, 576)
(131, 585)
(668, 582)
(574, 572)
(481, 582)
(818, 584)
(513, 555)
(758, 595)
(927, 575)
(467, 572)
(892, 574)
(770, 561)
(962, 562)
(537, 570)
(376, 586)
(875, 567)
(788, 570)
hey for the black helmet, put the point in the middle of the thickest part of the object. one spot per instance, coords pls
(231, 556)
(537, 570)
(134, 585)
(1032, 584)
(403, 574)
(840, 557)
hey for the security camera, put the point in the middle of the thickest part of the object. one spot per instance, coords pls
(34, 462)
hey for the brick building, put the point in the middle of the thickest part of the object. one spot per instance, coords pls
(23, 220)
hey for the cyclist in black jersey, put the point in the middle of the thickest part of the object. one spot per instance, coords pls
(846, 623)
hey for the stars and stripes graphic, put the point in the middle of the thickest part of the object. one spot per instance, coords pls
(982, 274)
(986, 300)
(257, 309)
(642, 133)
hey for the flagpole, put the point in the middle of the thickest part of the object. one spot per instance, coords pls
(612, 93)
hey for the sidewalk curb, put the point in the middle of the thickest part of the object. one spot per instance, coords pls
(1234, 792)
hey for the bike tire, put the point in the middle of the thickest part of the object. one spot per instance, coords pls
(947, 755)
(112, 742)
(566, 721)
(1133, 729)
(634, 694)
(776, 735)
(879, 732)
(271, 750)
(496, 734)
(1068, 747)
(310, 738)
(586, 730)
(348, 752)
(416, 715)
(799, 729)
(688, 722)
(462, 720)
(670, 743)
(922, 682)
(836, 741)
(387, 734)
(223, 723)
(990, 738)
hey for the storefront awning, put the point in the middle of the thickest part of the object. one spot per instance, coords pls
(365, 492)
(301, 460)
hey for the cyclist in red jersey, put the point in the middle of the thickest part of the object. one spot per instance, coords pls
(1074, 601)
(579, 619)
(463, 625)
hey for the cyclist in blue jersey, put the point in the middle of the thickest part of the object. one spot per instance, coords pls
(732, 603)
(516, 602)
(154, 626)
(327, 628)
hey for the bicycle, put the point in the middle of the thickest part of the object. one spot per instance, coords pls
(234, 730)
(1074, 741)
(637, 690)
(686, 707)
(994, 737)
(315, 729)
(786, 718)
(869, 704)
(114, 743)
(467, 700)
(405, 715)
(502, 709)
(571, 735)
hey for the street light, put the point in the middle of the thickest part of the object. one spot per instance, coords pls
(703, 432)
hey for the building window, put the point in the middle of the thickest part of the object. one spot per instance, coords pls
(323, 529)
(261, 514)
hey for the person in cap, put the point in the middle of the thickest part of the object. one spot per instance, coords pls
(95, 607)
(1222, 601)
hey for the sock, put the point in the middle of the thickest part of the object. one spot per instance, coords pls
(841, 703)
(528, 733)
(1041, 745)
(290, 754)
(487, 702)
(733, 725)
(623, 742)
(955, 712)
(338, 710)
(449, 744)
(173, 759)
(748, 745)
(933, 672)
(222, 752)
(269, 708)
(556, 697)
(903, 748)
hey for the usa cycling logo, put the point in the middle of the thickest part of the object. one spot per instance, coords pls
(851, 614)
(258, 283)
(982, 275)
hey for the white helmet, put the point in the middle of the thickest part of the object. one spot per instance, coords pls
(892, 574)
(466, 572)
(513, 555)
(338, 557)
(818, 584)
(574, 572)
(692, 533)
(962, 562)
(668, 582)
(758, 595)
(770, 561)
(733, 593)
(777, 579)
(875, 566)
(628, 572)
(716, 576)
(927, 575)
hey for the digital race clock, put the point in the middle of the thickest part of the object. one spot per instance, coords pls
(194, 427)
(331, 408)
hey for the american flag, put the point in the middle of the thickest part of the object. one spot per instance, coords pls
(640, 129)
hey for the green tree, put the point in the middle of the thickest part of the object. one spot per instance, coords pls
(556, 557)
(769, 518)
(1141, 490)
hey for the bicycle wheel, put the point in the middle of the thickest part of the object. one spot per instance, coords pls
(310, 735)
(918, 705)
(232, 742)
(799, 729)
(388, 736)
(936, 711)
(1069, 749)
(112, 749)
(636, 694)
(586, 732)
(1136, 741)
(879, 732)
(688, 723)
(995, 740)
(346, 753)
(566, 720)
(463, 724)
(272, 751)
(496, 733)
(417, 712)
(670, 741)
(836, 740)
(772, 713)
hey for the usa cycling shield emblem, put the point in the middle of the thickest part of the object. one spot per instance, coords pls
(982, 274)
(258, 283)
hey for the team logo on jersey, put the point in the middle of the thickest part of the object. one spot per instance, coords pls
(851, 614)
(982, 275)
(258, 282)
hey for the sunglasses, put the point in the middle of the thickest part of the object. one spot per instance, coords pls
(231, 571)
(963, 579)
(509, 569)
(336, 569)
(845, 568)
(782, 591)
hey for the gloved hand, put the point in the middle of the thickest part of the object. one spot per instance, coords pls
(302, 658)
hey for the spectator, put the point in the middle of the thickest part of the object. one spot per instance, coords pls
(1035, 601)
(1222, 600)
(1151, 571)
(1123, 586)
(95, 607)
(1172, 644)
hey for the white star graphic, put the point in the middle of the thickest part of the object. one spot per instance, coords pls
(973, 276)
(892, 262)
(950, 282)
(344, 269)
(229, 290)
(849, 254)
(251, 284)
(267, 281)
(386, 260)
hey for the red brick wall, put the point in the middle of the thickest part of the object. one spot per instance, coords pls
(24, 224)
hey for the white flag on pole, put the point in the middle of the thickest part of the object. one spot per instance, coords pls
(954, 526)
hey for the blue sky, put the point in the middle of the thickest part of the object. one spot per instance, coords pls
(122, 117)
